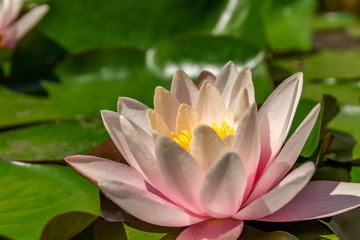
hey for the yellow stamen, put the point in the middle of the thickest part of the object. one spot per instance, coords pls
(224, 130)
(183, 138)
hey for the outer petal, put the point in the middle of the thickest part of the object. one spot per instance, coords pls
(181, 173)
(210, 105)
(112, 124)
(214, 229)
(183, 88)
(286, 158)
(9, 10)
(225, 81)
(247, 144)
(147, 206)
(167, 106)
(275, 117)
(223, 187)
(319, 199)
(142, 155)
(272, 201)
(17, 30)
(243, 81)
(206, 146)
(136, 113)
(98, 169)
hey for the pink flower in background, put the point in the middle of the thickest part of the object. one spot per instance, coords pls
(13, 29)
(207, 158)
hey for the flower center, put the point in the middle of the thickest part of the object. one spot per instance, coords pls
(184, 137)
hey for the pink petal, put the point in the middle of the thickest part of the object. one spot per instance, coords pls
(223, 187)
(319, 199)
(142, 155)
(278, 197)
(287, 156)
(213, 229)
(187, 119)
(183, 88)
(275, 117)
(210, 105)
(247, 144)
(98, 169)
(206, 146)
(136, 113)
(147, 206)
(181, 173)
(243, 81)
(112, 124)
(203, 77)
(9, 10)
(167, 106)
(225, 81)
(18, 29)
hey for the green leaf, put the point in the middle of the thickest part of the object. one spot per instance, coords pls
(250, 233)
(301, 230)
(329, 237)
(128, 23)
(288, 25)
(92, 81)
(197, 52)
(51, 141)
(338, 64)
(104, 230)
(345, 225)
(348, 121)
(355, 174)
(134, 234)
(32, 195)
(334, 20)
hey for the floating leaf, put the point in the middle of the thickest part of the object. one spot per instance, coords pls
(288, 25)
(51, 141)
(334, 20)
(134, 234)
(348, 121)
(32, 195)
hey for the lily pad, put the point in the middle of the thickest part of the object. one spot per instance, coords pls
(348, 121)
(334, 20)
(32, 195)
(288, 25)
(196, 52)
(141, 23)
(51, 141)
(92, 81)
(333, 64)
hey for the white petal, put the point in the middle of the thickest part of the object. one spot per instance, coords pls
(225, 81)
(206, 146)
(183, 88)
(210, 105)
(167, 106)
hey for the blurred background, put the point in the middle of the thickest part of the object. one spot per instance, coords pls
(84, 54)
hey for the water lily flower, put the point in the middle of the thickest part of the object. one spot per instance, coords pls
(13, 29)
(207, 158)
